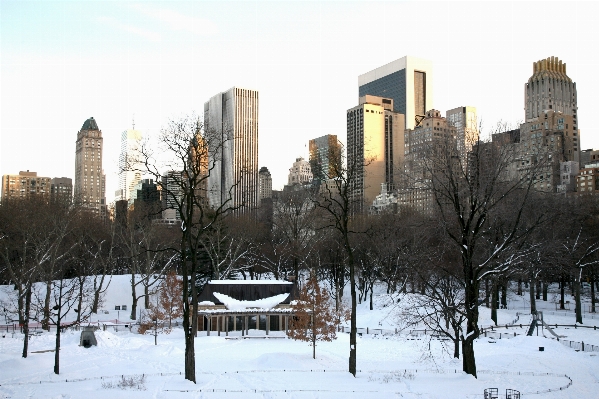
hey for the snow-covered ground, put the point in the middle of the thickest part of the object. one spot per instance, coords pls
(389, 365)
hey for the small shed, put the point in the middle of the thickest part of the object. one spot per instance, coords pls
(88, 338)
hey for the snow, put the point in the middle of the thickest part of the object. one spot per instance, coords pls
(265, 303)
(389, 366)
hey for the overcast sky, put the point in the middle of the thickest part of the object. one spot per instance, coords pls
(63, 62)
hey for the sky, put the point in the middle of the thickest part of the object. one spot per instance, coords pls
(126, 62)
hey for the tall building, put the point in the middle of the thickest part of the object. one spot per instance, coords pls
(375, 143)
(25, 185)
(300, 172)
(170, 195)
(90, 181)
(465, 122)
(407, 81)
(129, 164)
(61, 188)
(550, 88)
(265, 183)
(435, 137)
(231, 120)
(325, 157)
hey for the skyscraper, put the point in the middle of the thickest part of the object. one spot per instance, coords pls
(300, 172)
(90, 181)
(466, 124)
(129, 165)
(231, 123)
(265, 183)
(407, 81)
(550, 93)
(549, 88)
(325, 157)
(375, 142)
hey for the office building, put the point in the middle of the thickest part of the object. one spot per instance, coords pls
(25, 185)
(588, 156)
(61, 188)
(300, 172)
(325, 157)
(265, 183)
(375, 142)
(231, 123)
(588, 179)
(130, 166)
(465, 122)
(170, 195)
(550, 88)
(425, 145)
(407, 81)
(90, 181)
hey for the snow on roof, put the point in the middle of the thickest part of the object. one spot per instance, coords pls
(234, 304)
(249, 282)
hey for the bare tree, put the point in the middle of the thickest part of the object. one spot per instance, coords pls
(188, 154)
(469, 199)
(337, 204)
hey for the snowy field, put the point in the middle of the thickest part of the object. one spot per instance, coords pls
(390, 366)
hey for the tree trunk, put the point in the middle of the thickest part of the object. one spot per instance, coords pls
(371, 289)
(576, 286)
(353, 328)
(533, 304)
(26, 320)
(562, 293)
(471, 304)
(538, 290)
(504, 295)
(520, 287)
(456, 344)
(80, 300)
(97, 290)
(133, 315)
(593, 292)
(46, 319)
(494, 301)
(58, 320)
(487, 292)
(545, 290)
(147, 294)
(468, 360)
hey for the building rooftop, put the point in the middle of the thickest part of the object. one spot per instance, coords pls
(90, 124)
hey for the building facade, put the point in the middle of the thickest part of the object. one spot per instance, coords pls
(129, 164)
(300, 172)
(231, 122)
(435, 138)
(588, 179)
(325, 157)
(465, 122)
(25, 185)
(90, 180)
(550, 88)
(374, 148)
(265, 183)
(61, 188)
(407, 81)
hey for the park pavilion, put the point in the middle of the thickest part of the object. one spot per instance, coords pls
(225, 306)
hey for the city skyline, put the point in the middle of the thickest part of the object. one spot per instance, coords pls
(145, 63)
